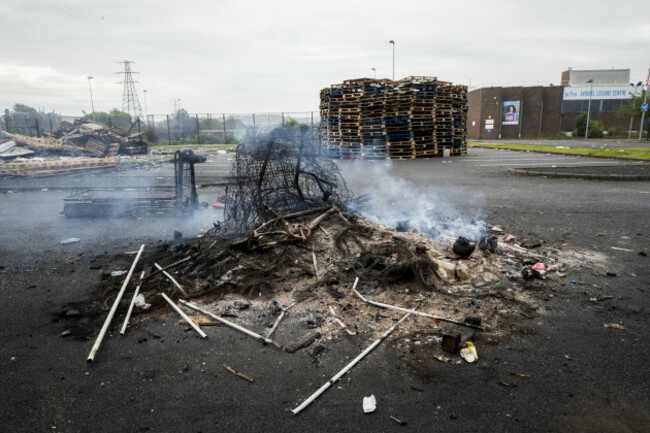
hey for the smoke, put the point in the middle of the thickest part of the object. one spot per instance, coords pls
(387, 199)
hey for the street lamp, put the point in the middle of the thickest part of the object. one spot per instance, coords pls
(375, 71)
(392, 42)
(591, 86)
(636, 87)
(92, 104)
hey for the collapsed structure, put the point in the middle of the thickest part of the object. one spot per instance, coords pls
(416, 117)
(92, 144)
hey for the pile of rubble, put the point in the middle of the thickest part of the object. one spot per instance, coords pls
(82, 139)
(51, 153)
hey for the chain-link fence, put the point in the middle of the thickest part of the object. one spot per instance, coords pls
(179, 127)
(214, 128)
(28, 124)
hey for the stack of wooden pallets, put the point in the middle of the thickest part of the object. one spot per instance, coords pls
(411, 118)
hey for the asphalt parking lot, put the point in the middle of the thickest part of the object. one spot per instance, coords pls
(579, 376)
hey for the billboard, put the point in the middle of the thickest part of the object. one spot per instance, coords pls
(582, 93)
(510, 115)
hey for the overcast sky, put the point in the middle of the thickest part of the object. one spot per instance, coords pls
(264, 55)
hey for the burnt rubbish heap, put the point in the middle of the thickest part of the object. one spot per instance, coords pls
(416, 117)
(292, 247)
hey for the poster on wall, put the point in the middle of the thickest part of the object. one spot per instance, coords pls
(510, 113)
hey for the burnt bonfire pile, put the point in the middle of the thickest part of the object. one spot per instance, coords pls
(289, 240)
(293, 267)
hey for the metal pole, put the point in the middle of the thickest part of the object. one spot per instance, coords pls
(500, 113)
(591, 87)
(541, 117)
(198, 136)
(521, 112)
(169, 133)
(392, 42)
(92, 104)
(629, 131)
(645, 100)
(223, 118)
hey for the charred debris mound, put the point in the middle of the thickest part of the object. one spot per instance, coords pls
(81, 139)
(289, 239)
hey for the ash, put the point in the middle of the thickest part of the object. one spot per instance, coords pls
(290, 239)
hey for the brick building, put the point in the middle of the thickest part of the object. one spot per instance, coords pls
(513, 112)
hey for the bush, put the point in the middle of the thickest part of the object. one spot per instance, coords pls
(616, 132)
(596, 127)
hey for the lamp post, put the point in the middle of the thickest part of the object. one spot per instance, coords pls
(636, 87)
(591, 87)
(375, 71)
(645, 101)
(392, 42)
(92, 103)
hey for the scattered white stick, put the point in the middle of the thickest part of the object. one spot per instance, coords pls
(131, 305)
(184, 316)
(279, 319)
(348, 367)
(313, 256)
(340, 322)
(174, 282)
(111, 313)
(406, 310)
(226, 322)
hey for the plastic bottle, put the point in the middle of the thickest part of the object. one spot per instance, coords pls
(118, 273)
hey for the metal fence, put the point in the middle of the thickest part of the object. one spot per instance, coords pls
(207, 128)
(30, 125)
(199, 128)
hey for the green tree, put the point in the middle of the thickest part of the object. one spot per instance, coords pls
(26, 110)
(118, 119)
(631, 108)
(596, 128)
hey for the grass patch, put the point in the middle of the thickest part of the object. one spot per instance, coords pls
(637, 153)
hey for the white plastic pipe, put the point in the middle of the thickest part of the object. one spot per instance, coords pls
(184, 316)
(348, 367)
(111, 313)
(174, 282)
(417, 313)
(226, 322)
(128, 313)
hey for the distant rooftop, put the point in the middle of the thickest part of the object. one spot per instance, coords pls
(601, 77)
